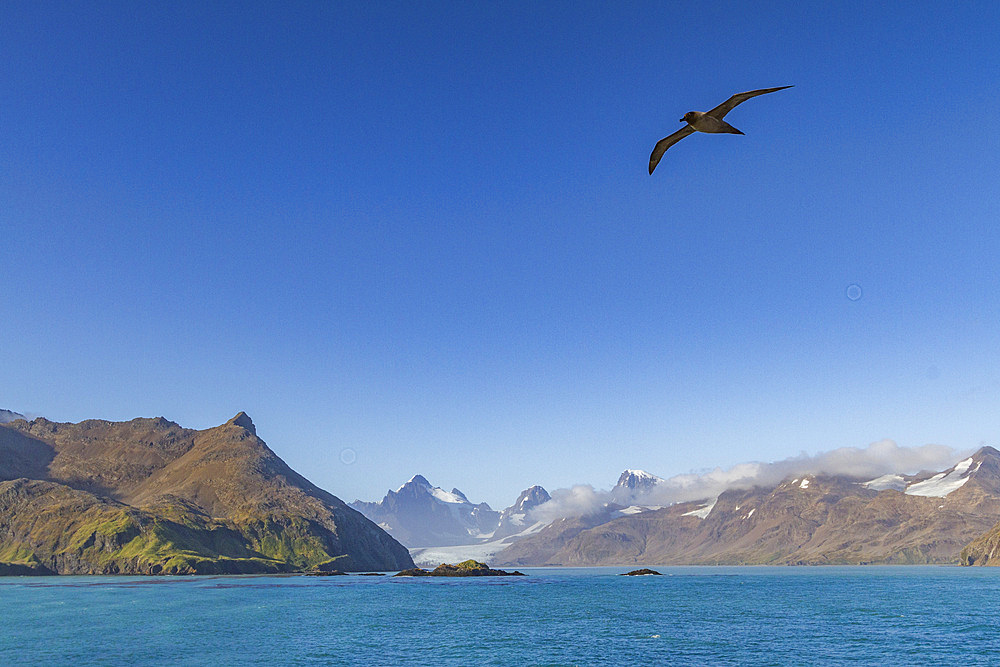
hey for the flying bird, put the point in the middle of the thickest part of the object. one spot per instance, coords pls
(706, 121)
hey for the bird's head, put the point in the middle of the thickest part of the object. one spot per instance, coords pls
(688, 117)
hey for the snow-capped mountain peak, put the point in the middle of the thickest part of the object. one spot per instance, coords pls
(638, 479)
(416, 480)
(530, 498)
(420, 514)
(633, 485)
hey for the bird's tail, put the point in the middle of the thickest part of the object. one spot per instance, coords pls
(733, 130)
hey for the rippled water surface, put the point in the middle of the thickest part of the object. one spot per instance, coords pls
(696, 616)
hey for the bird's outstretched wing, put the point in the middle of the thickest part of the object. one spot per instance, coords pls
(727, 106)
(663, 144)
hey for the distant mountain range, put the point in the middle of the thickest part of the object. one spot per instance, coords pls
(150, 497)
(443, 526)
(419, 514)
(944, 517)
(949, 516)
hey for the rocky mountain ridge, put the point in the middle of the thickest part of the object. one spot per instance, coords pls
(516, 518)
(813, 519)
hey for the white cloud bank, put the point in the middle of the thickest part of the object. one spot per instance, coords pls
(878, 458)
(579, 500)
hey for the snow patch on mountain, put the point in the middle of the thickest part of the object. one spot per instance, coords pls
(703, 511)
(638, 509)
(446, 497)
(889, 481)
(943, 483)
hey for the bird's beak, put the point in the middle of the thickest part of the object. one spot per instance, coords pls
(682, 121)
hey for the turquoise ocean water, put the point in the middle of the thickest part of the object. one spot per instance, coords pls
(691, 616)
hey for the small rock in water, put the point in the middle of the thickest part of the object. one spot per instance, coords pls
(637, 573)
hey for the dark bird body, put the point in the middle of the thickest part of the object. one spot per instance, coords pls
(706, 121)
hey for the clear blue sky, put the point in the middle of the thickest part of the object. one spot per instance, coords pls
(420, 237)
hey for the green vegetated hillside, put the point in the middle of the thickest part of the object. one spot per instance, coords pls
(150, 497)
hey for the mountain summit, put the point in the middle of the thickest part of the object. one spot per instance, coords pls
(515, 519)
(419, 514)
(148, 496)
(633, 485)
(243, 420)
